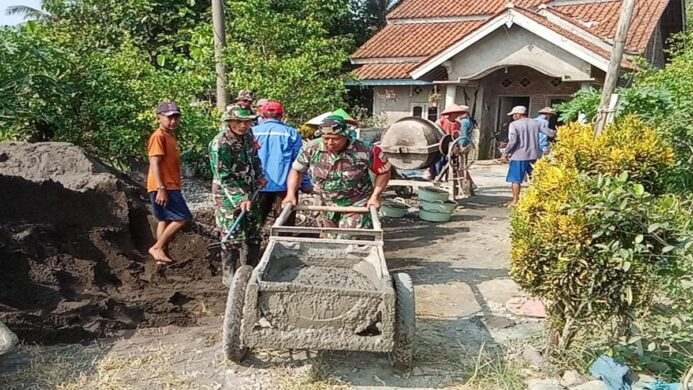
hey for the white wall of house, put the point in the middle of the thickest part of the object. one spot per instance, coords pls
(396, 102)
(517, 46)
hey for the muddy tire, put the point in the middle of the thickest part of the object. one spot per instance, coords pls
(233, 347)
(405, 322)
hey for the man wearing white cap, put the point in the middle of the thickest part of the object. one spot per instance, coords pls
(523, 148)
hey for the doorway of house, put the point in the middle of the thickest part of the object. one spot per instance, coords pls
(505, 105)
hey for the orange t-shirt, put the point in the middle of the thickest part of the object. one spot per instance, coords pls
(163, 143)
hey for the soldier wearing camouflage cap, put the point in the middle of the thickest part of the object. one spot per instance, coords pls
(236, 176)
(245, 99)
(339, 168)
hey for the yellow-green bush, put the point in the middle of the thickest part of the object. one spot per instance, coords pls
(589, 235)
(625, 146)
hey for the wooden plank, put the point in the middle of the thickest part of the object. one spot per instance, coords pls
(334, 209)
(378, 243)
(303, 229)
(376, 220)
(409, 183)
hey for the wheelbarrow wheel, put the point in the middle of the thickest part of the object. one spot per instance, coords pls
(405, 322)
(233, 347)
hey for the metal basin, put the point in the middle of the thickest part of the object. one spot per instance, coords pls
(412, 143)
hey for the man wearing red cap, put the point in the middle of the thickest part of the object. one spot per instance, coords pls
(279, 145)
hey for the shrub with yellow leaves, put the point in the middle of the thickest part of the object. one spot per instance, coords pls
(584, 236)
(627, 145)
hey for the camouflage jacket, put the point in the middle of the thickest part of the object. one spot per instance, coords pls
(235, 167)
(341, 179)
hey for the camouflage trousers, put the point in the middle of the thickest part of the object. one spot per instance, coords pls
(249, 228)
(243, 246)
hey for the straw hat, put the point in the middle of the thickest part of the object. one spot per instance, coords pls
(455, 108)
(547, 111)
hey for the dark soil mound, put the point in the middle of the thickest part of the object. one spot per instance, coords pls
(73, 251)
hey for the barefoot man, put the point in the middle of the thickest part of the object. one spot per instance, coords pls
(164, 181)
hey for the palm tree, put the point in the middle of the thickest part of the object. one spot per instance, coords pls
(29, 13)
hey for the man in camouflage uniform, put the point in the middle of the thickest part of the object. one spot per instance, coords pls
(236, 176)
(339, 168)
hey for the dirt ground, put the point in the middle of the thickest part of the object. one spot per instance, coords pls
(74, 235)
(460, 272)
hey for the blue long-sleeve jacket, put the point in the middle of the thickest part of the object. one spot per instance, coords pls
(466, 126)
(544, 142)
(279, 147)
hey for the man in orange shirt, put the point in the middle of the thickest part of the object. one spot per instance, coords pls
(164, 181)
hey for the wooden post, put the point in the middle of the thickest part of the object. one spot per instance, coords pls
(614, 65)
(219, 46)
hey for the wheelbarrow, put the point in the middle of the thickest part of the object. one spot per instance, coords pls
(315, 293)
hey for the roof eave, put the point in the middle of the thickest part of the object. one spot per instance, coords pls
(385, 82)
(508, 18)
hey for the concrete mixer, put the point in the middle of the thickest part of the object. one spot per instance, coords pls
(415, 143)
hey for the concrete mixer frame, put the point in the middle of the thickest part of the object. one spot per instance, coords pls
(417, 143)
(453, 177)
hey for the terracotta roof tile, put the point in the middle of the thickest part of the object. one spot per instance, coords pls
(427, 39)
(414, 40)
(384, 71)
(601, 18)
(443, 8)
(573, 37)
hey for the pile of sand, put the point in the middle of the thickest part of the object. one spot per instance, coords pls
(74, 235)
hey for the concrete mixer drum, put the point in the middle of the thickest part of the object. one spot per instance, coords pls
(413, 143)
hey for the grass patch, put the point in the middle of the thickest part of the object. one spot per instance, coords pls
(497, 368)
(314, 377)
(76, 367)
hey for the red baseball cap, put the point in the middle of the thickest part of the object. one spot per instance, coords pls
(273, 106)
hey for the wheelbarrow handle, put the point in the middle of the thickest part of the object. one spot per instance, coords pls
(335, 209)
(287, 209)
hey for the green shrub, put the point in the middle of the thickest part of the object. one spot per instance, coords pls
(591, 236)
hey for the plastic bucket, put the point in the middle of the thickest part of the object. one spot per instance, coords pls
(394, 209)
(439, 206)
(434, 217)
(432, 194)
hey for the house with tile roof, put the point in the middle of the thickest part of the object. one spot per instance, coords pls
(495, 54)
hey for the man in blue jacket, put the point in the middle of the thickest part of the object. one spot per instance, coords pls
(279, 146)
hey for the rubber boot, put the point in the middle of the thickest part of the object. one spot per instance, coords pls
(252, 254)
(229, 259)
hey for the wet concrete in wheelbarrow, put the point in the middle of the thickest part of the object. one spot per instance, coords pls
(345, 278)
